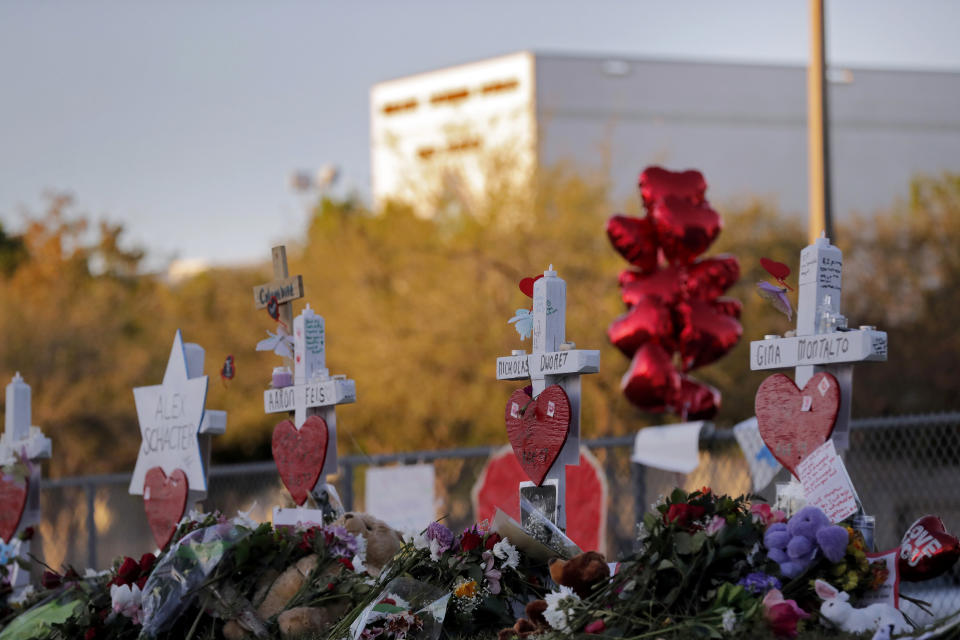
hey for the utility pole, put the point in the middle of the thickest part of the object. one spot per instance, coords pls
(818, 139)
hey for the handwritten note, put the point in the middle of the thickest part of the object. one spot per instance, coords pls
(826, 483)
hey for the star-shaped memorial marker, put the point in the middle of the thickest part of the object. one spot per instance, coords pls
(170, 416)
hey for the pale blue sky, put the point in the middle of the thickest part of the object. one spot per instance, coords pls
(183, 120)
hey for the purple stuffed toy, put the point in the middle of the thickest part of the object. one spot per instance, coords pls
(794, 545)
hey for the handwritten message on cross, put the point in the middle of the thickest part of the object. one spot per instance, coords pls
(305, 450)
(20, 503)
(533, 423)
(281, 291)
(822, 341)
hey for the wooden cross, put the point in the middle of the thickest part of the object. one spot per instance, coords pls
(553, 361)
(314, 391)
(821, 341)
(20, 437)
(284, 288)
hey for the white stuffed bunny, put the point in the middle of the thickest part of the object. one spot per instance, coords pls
(837, 609)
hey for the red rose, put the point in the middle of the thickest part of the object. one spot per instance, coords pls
(782, 615)
(90, 634)
(683, 514)
(50, 580)
(128, 571)
(470, 541)
(142, 581)
(147, 561)
(596, 626)
(345, 562)
(492, 539)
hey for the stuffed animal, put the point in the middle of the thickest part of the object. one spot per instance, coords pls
(581, 573)
(382, 541)
(795, 544)
(836, 609)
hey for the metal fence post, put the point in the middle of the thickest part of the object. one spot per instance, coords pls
(91, 492)
(347, 465)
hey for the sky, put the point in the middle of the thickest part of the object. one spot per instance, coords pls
(184, 121)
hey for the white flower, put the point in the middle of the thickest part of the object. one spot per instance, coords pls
(19, 598)
(420, 541)
(194, 516)
(559, 605)
(243, 518)
(508, 553)
(126, 600)
(435, 552)
(93, 573)
(753, 555)
(729, 620)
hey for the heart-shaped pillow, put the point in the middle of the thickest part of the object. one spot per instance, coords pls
(537, 429)
(13, 498)
(299, 455)
(793, 423)
(165, 501)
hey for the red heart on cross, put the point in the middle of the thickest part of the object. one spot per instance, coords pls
(526, 285)
(537, 429)
(793, 423)
(165, 501)
(299, 455)
(13, 498)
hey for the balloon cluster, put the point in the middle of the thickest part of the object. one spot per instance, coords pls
(673, 297)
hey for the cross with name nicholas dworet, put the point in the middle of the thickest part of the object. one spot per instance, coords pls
(821, 341)
(553, 361)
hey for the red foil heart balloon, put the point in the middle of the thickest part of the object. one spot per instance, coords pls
(684, 230)
(13, 498)
(646, 321)
(651, 381)
(927, 550)
(707, 334)
(665, 286)
(696, 400)
(635, 240)
(537, 429)
(793, 423)
(728, 307)
(710, 277)
(165, 501)
(657, 183)
(299, 455)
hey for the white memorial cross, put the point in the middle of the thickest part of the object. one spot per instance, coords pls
(175, 425)
(284, 288)
(553, 361)
(821, 341)
(314, 390)
(20, 437)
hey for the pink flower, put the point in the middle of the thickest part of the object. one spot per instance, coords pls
(763, 513)
(782, 615)
(716, 524)
(596, 626)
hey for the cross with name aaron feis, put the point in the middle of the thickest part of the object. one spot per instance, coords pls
(22, 445)
(822, 342)
(305, 449)
(544, 427)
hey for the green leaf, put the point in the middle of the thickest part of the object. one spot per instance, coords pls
(698, 539)
(683, 543)
(678, 495)
(665, 564)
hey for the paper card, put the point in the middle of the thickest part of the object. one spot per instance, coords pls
(826, 483)
(675, 447)
(402, 496)
(297, 517)
(889, 591)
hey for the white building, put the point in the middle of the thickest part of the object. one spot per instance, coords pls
(743, 125)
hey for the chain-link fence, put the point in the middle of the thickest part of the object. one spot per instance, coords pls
(903, 467)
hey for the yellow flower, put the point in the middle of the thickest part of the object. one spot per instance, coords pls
(466, 589)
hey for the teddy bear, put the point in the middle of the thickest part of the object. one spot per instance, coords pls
(383, 542)
(794, 545)
(582, 573)
(275, 591)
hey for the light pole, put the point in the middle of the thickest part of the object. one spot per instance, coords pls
(818, 140)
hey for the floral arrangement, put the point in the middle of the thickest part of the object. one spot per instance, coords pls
(714, 566)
